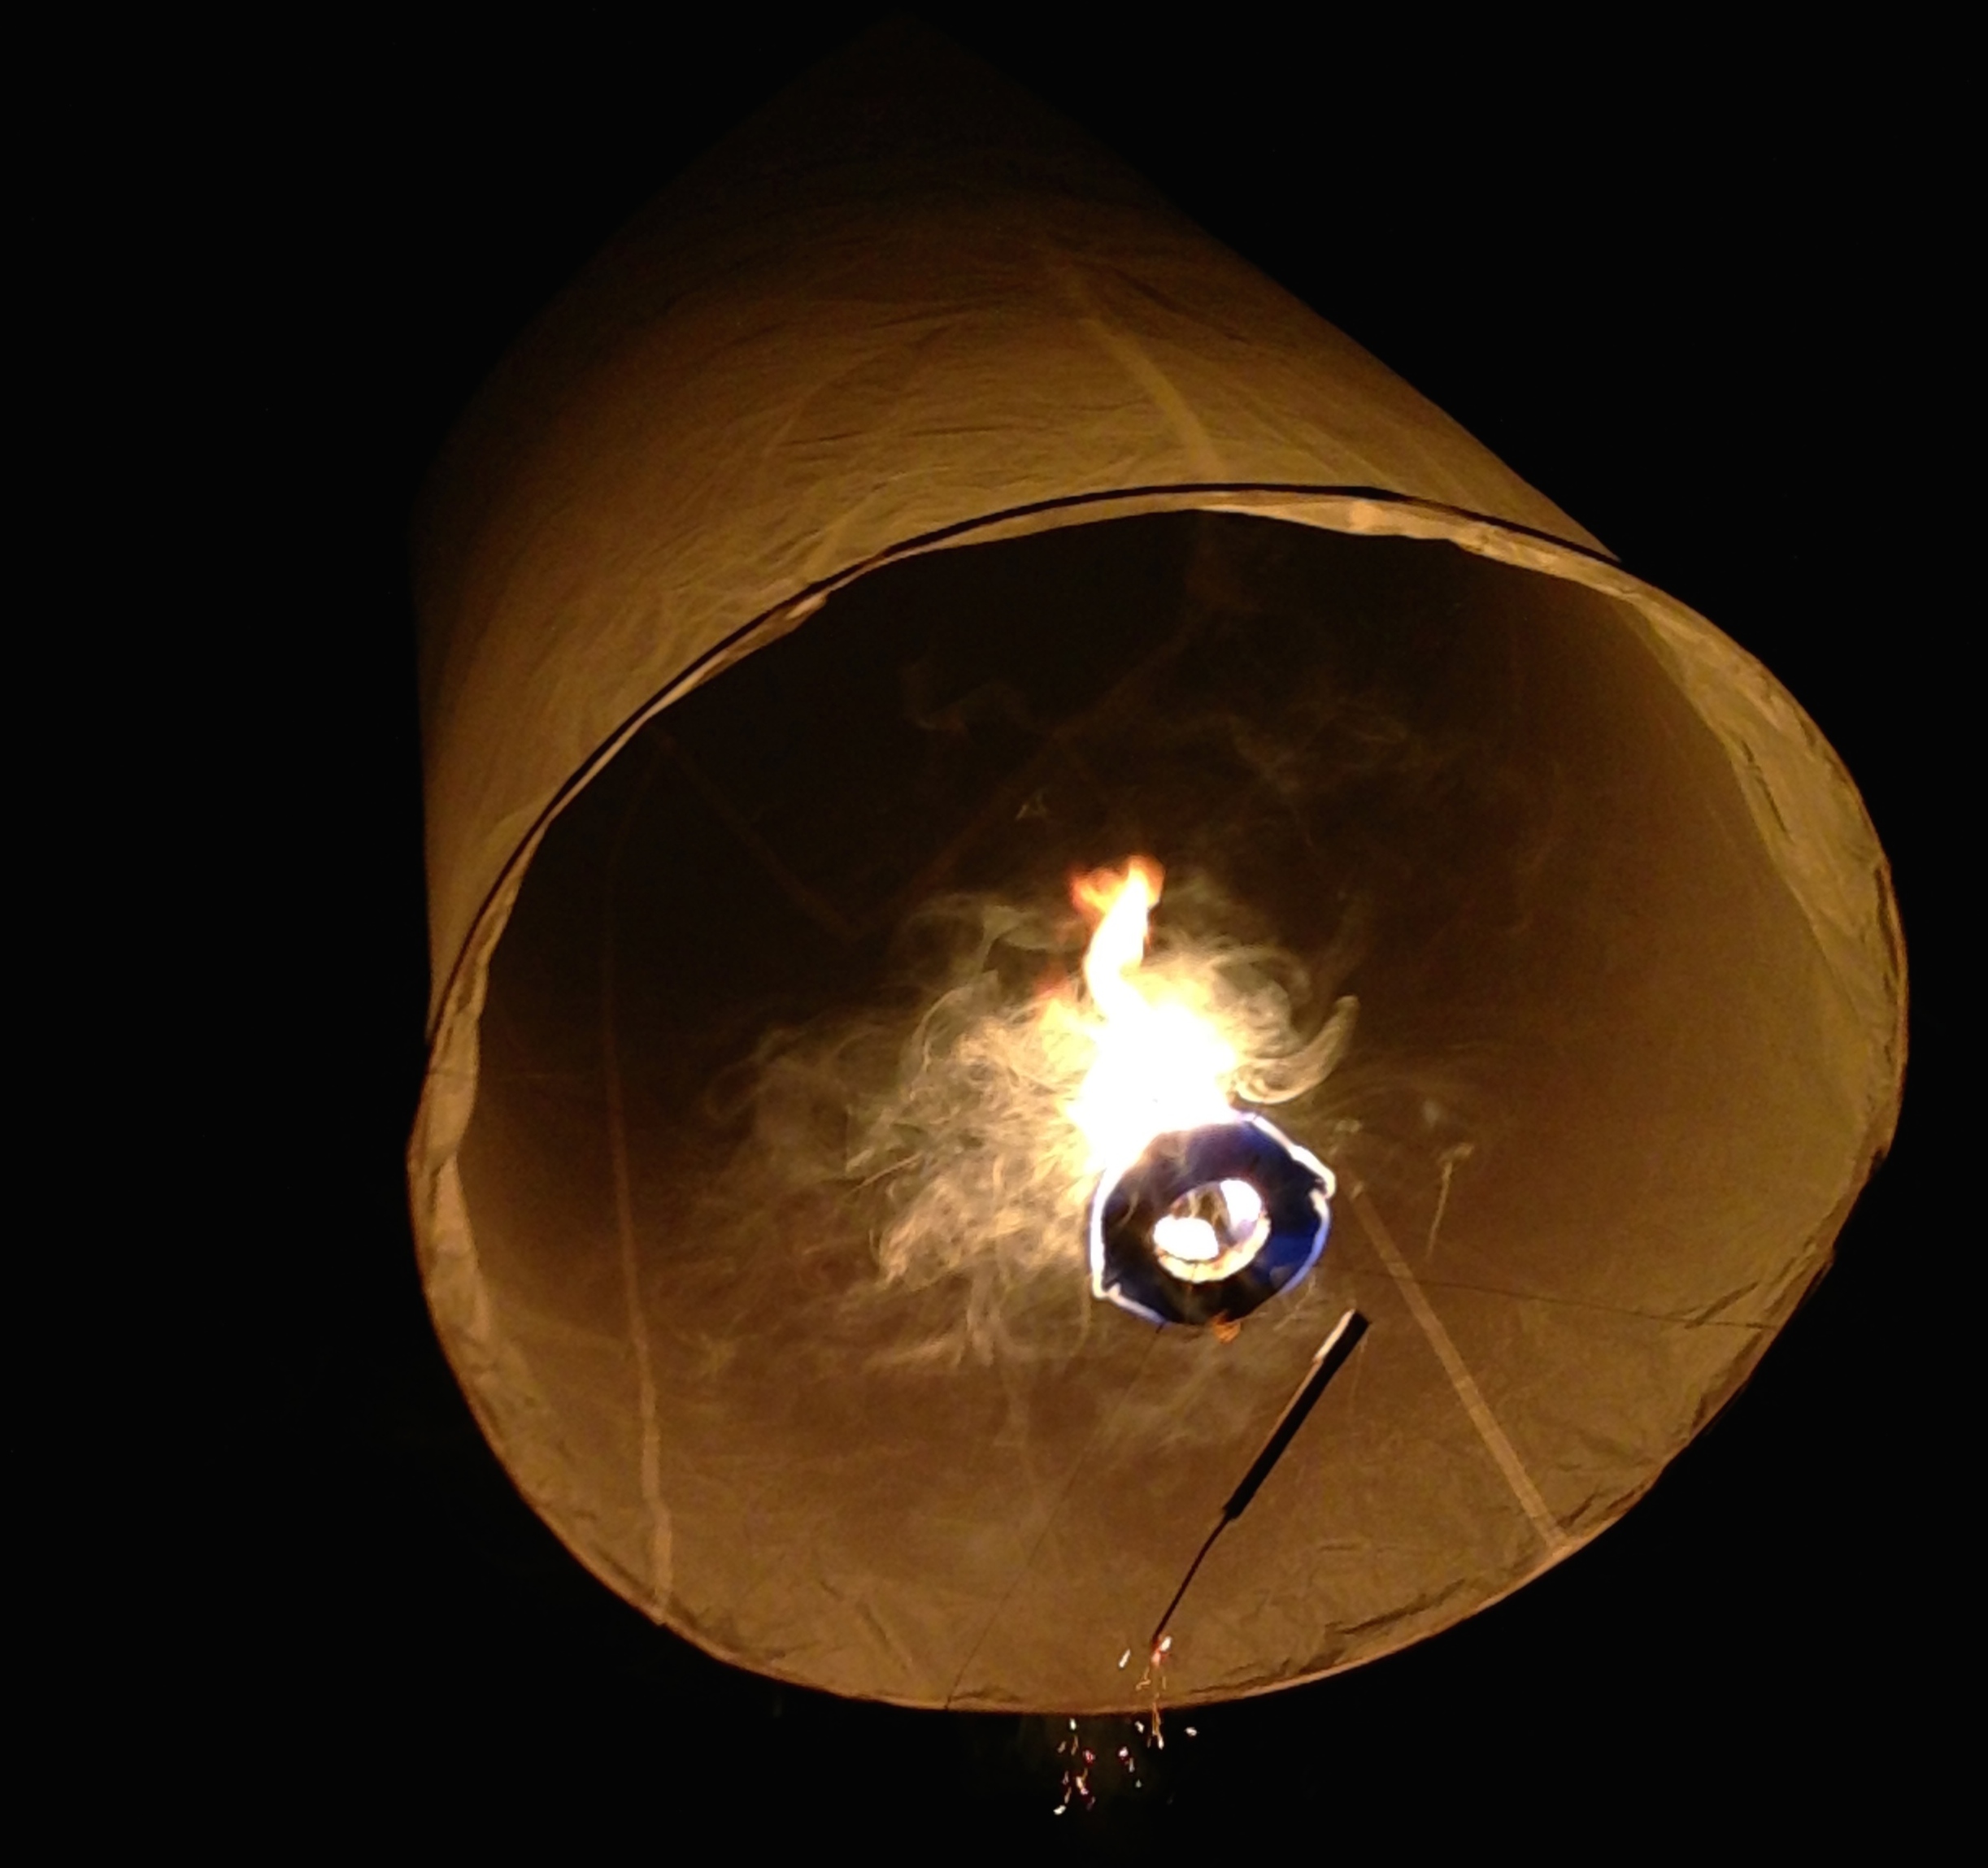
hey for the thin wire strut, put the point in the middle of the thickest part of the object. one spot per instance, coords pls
(1331, 1357)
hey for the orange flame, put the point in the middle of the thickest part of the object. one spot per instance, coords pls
(1158, 1063)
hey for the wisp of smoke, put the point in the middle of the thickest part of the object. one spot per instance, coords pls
(966, 1156)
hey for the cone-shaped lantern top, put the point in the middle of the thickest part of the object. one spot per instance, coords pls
(903, 300)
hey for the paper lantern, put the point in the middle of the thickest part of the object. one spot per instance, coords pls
(907, 512)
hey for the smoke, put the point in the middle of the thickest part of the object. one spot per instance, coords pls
(955, 1145)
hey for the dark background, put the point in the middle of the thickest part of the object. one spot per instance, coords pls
(1690, 289)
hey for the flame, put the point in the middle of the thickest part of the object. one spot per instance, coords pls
(1018, 1090)
(1190, 1238)
(1158, 1064)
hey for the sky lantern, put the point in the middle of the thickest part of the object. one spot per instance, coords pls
(1032, 863)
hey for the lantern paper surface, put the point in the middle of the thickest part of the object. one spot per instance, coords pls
(908, 511)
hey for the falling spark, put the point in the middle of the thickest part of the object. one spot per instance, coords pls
(1150, 1682)
(1080, 1786)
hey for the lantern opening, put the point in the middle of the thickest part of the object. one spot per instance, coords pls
(768, 1008)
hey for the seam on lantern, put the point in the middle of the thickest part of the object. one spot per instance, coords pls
(1138, 362)
(1501, 1450)
(649, 1468)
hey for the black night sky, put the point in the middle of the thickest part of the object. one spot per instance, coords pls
(1679, 288)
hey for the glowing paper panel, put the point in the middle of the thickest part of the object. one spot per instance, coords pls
(907, 513)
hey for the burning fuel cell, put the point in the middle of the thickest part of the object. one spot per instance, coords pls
(1202, 1211)
(1209, 1222)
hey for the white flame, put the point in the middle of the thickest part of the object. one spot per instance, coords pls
(1193, 1241)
